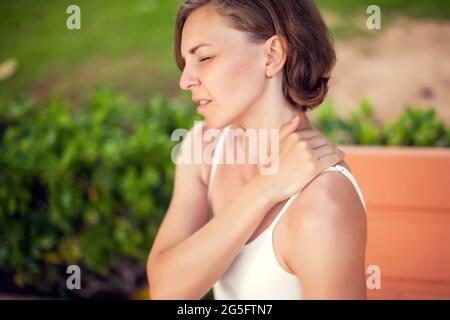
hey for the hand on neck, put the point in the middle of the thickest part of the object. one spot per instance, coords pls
(284, 116)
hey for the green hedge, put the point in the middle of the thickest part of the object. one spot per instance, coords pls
(416, 126)
(87, 188)
(91, 186)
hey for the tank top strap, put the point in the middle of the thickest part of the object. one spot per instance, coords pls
(215, 161)
(345, 172)
(283, 211)
(337, 168)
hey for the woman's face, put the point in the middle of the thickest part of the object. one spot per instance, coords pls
(225, 68)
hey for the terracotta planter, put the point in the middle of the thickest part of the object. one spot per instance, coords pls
(407, 192)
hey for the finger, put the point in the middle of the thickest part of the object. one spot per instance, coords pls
(314, 143)
(323, 152)
(290, 127)
(329, 159)
(309, 134)
(284, 131)
(319, 142)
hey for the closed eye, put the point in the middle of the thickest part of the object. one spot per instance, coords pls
(204, 59)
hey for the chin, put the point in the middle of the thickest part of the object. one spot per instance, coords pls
(216, 123)
(223, 119)
(215, 126)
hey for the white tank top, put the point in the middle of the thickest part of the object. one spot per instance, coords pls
(255, 273)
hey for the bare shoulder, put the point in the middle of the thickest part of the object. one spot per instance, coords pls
(330, 198)
(326, 218)
(195, 141)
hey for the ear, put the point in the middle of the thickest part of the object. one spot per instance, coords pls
(275, 49)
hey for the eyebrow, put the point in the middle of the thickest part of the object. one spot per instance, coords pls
(193, 49)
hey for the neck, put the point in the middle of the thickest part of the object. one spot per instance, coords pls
(271, 110)
(272, 114)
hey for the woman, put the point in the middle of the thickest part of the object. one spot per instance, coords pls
(261, 65)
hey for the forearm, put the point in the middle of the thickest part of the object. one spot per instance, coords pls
(189, 269)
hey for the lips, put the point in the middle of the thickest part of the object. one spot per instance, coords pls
(202, 107)
(200, 100)
(204, 102)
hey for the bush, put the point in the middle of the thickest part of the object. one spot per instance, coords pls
(415, 127)
(88, 188)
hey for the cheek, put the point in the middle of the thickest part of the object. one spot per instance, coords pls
(236, 83)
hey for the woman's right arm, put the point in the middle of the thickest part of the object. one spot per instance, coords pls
(189, 269)
(189, 253)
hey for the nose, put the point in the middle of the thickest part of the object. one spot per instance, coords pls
(188, 79)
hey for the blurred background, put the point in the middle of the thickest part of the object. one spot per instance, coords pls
(85, 123)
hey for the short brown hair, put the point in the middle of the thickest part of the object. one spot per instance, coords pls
(309, 47)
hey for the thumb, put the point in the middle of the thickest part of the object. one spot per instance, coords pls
(290, 127)
(285, 130)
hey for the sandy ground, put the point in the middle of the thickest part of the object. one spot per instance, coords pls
(406, 63)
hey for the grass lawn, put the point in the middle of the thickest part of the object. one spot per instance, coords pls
(122, 43)
(125, 44)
